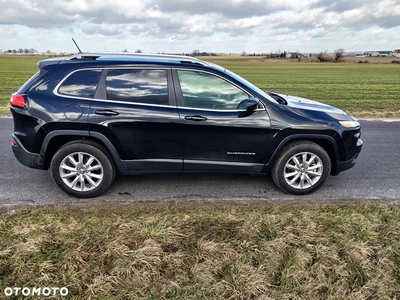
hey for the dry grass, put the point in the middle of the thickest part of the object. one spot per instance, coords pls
(205, 250)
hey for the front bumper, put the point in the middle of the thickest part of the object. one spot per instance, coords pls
(345, 165)
(25, 157)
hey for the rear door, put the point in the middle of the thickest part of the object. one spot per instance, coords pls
(135, 109)
(218, 134)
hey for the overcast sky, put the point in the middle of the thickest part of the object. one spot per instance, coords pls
(177, 26)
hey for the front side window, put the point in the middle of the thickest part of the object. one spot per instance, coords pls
(81, 84)
(140, 86)
(203, 90)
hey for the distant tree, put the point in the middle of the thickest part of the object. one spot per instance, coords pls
(20, 50)
(310, 55)
(124, 50)
(338, 55)
(322, 57)
(196, 52)
(243, 53)
(14, 51)
(26, 50)
(138, 51)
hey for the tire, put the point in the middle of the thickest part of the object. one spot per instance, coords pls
(82, 169)
(295, 176)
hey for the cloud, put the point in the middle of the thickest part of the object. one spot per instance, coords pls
(215, 25)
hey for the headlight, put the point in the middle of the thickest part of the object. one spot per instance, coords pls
(349, 124)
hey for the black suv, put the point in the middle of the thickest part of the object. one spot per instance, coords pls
(91, 115)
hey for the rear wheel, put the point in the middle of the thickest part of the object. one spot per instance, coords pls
(301, 168)
(82, 169)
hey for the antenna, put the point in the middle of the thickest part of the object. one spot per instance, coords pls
(76, 45)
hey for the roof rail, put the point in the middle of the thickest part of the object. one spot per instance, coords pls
(177, 58)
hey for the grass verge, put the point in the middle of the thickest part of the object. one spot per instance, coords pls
(205, 250)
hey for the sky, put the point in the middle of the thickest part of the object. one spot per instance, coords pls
(182, 26)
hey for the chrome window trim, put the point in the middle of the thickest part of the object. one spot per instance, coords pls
(219, 110)
(134, 103)
(57, 87)
(55, 90)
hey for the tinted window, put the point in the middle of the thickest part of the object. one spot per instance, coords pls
(81, 84)
(203, 90)
(142, 86)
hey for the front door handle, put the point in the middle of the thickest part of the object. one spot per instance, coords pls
(106, 112)
(196, 118)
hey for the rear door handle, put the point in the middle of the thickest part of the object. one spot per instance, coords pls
(106, 112)
(196, 118)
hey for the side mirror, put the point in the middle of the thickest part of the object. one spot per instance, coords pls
(252, 104)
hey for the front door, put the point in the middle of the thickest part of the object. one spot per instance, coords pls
(217, 133)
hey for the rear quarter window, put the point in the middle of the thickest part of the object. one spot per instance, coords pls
(29, 83)
(80, 84)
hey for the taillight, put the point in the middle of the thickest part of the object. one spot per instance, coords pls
(13, 142)
(17, 100)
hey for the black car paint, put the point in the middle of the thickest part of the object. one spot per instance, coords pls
(151, 138)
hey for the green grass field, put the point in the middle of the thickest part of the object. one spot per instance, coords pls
(205, 250)
(365, 90)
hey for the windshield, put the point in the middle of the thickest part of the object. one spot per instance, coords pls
(251, 86)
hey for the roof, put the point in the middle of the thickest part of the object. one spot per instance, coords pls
(137, 57)
(130, 58)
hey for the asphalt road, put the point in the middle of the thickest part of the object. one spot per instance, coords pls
(375, 176)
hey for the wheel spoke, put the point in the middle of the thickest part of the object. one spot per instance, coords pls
(311, 159)
(80, 158)
(302, 181)
(82, 180)
(72, 160)
(308, 179)
(294, 179)
(68, 175)
(288, 175)
(317, 166)
(296, 161)
(94, 175)
(304, 158)
(93, 168)
(68, 168)
(89, 162)
(91, 182)
(74, 182)
(316, 174)
(292, 167)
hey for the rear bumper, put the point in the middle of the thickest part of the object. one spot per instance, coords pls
(25, 157)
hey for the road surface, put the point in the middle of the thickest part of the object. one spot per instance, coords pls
(375, 176)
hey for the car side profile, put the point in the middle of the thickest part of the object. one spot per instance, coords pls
(91, 115)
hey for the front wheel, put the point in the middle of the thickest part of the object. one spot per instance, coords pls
(82, 169)
(301, 168)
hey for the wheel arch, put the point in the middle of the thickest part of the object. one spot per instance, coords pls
(58, 138)
(326, 142)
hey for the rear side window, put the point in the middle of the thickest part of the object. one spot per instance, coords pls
(140, 86)
(80, 84)
(29, 82)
